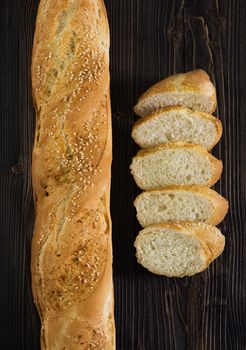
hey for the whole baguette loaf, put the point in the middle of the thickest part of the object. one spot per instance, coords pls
(71, 250)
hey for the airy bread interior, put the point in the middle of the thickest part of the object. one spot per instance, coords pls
(186, 99)
(177, 124)
(154, 207)
(168, 166)
(169, 252)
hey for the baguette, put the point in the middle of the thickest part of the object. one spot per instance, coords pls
(178, 250)
(172, 124)
(193, 90)
(180, 203)
(71, 249)
(175, 164)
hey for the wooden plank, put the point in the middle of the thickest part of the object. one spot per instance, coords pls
(150, 39)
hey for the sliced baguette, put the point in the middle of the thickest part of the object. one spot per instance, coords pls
(175, 164)
(193, 90)
(177, 123)
(176, 250)
(180, 203)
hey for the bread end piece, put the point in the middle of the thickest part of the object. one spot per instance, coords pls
(193, 89)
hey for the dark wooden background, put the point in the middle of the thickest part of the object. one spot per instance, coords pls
(150, 39)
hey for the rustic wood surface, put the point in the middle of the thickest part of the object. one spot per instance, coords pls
(150, 39)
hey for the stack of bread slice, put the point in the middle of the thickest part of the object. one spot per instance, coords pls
(178, 209)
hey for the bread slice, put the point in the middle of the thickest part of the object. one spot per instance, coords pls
(176, 250)
(193, 90)
(180, 203)
(175, 164)
(177, 123)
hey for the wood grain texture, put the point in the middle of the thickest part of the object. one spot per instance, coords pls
(150, 39)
